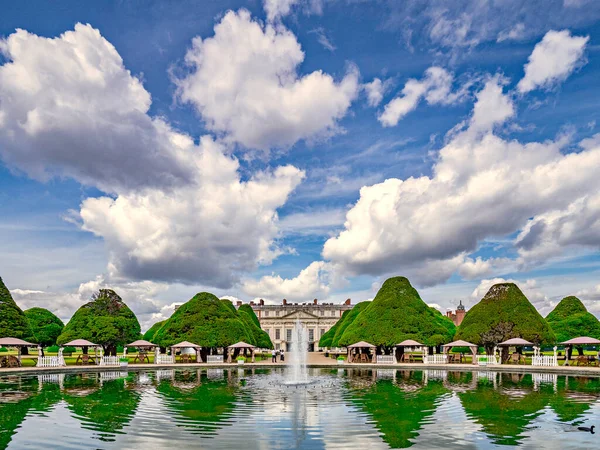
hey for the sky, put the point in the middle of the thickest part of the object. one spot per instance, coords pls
(298, 149)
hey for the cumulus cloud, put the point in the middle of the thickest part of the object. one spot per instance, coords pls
(278, 8)
(512, 34)
(481, 186)
(435, 87)
(209, 231)
(244, 84)
(69, 108)
(375, 90)
(552, 60)
(313, 281)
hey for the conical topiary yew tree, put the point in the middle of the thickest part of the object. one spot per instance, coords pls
(260, 337)
(106, 321)
(332, 337)
(13, 322)
(46, 326)
(149, 335)
(570, 319)
(395, 314)
(504, 313)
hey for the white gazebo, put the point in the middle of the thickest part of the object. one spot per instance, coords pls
(358, 346)
(578, 341)
(407, 343)
(240, 346)
(18, 343)
(85, 344)
(140, 343)
(186, 344)
(459, 343)
(518, 342)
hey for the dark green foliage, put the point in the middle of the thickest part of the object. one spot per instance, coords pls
(395, 314)
(151, 333)
(332, 337)
(260, 337)
(504, 313)
(13, 322)
(106, 320)
(204, 320)
(570, 319)
(3, 350)
(45, 325)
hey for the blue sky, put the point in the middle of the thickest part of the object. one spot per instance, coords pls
(243, 148)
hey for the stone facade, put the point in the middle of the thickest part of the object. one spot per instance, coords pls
(458, 315)
(279, 320)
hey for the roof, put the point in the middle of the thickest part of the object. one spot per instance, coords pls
(15, 342)
(409, 343)
(515, 341)
(459, 343)
(362, 344)
(185, 344)
(241, 345)
(141, 343)
(80, 343)
(583, 340)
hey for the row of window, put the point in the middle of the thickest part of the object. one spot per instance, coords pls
(332, 313)
(288, 333)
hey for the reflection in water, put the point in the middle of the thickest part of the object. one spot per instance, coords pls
(253, 408)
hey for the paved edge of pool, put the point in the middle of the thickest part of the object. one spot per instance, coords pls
(561, 370)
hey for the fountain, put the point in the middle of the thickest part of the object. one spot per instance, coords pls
(297, 373)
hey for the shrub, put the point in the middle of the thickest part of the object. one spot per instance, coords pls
(3, 349)
(52, 349)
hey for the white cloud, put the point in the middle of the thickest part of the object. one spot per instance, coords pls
(69, 108)
(244, 83)
(435, 87)
(278, 8)
(375, 90)
(312, 282)
(552, 60)
(323, 39)
(209, 231)
(481, 186)
(512, 34)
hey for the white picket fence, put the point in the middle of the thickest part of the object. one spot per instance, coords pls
(109, 361)
(50, 361)
(544, 360)
(487, 360)
(435, 359)
(214, 359)
(386, 359)
(165, 359)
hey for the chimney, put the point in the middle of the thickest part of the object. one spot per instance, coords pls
(252, 303)
(315, 301)
(284, 301)
(348, 302)
(261, 302)
(239, 303)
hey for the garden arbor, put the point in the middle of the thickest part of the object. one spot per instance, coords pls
(400, 357)
(84, 345)
(143, 348)
(357, 350)
(14, 342)
(239, 347)
(577, 342)
(184, 345)
(459, 343)
(518, 343)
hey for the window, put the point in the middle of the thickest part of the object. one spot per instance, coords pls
(277, 334)
(322, 332)
(322, 313)
(288, 335)
(266, 313)
(268, 331)
(277, 347)
(277, 313)
(332, 313)
(311, 335)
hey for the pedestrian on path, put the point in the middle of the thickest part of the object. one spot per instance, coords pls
(274, 356)
(281, 355)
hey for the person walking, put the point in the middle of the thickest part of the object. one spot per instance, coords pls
(281, 355)
(274, 356)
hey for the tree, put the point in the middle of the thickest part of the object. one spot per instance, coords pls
(151, 333)
(13, 322)
(332, 337)
(45, 325)
(571, 319)
(206, 321)
(395, 314)
(260, 337)
(106, 321)
(504, 313)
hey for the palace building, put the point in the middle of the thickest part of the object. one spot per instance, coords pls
(278, 320)
(458, 315)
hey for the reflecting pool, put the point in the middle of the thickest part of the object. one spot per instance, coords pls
(339, 408)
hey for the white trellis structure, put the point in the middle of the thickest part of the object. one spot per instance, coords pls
(487, 360)
(214, 359)
(386, 359)
(544, 360)
(50, 361)
(163, 359)
(434, 359)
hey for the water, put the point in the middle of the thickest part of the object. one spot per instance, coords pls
(253, 408)
(297, 373)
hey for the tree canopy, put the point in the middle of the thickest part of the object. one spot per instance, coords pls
(504, 313)
(149, 335)
(45, 325)
(13, 322)
(207, 321)
(106, 321)
(332, 337)
(261, 337)
(395, 314)
(570, 319)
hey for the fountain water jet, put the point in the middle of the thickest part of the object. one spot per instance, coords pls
(297, 372)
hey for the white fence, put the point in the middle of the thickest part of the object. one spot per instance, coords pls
(487, 360)
(386, 359)
(214, 359)
(165, 359)
(544, 360)
(435, 359)
(50, 361)
(109, 361)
